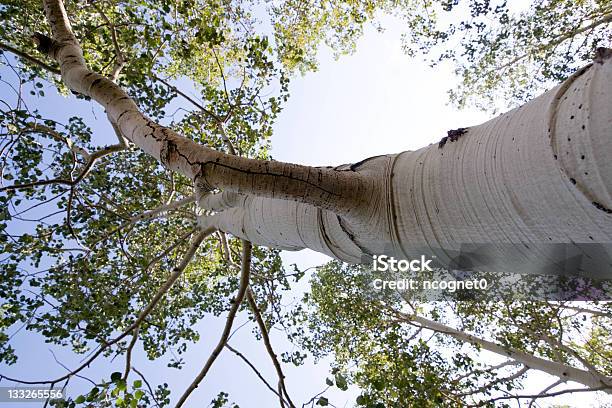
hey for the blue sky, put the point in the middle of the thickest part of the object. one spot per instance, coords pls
(374, 102)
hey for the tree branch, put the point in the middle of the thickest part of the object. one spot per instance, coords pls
(544, 391)
(593, 312)
(40, 128)
(91, 160)
(537, 396)
(559, 370)
(341, 191)
(244, 283)
(147, 215)
(141, 317)
(148, 386)
(270, 350)
(187, 97)
(255, 370)
(119, 58)
(488, 386)
(607, 18)
(128, 353)
(30, 58)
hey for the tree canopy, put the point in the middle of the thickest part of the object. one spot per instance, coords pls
(91, 227)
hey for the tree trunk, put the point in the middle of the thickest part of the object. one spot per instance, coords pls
(538, 174)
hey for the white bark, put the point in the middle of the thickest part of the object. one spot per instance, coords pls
(537, 174)
(340, 191)
(559, 370)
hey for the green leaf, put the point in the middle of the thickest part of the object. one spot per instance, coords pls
(341, 382)
(121, 385)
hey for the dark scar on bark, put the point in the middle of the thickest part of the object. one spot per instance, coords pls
(96, 82)
(452, 136)
(602, 208)
(355, 166)
(602, 54)
(44, 44)
(80, 95)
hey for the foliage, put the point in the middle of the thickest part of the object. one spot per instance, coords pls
(504, 53)
(510, 54)
(79, 263)
(394, 362)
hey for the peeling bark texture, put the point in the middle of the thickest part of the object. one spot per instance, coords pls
(537, 174)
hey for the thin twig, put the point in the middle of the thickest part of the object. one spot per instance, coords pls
(541, 395)
(93, 158)
(544, 391)
(187, 97)
(255, 370)
(148, 386)
(120, 60)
